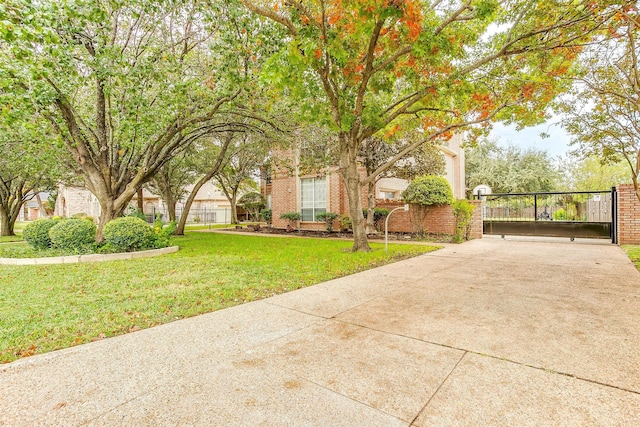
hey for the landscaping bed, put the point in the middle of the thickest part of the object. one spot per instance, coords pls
(347, 235)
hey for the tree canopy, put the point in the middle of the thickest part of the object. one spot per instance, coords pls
(604, 107)
(378, 67)
(510, 169)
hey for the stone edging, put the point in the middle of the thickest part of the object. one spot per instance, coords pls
(75, 259)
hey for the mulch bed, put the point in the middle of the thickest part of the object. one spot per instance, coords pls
(437, 238)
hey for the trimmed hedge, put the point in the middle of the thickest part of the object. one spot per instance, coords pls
(73, 234)
(129, 234)
(36, 233)
(429, 190)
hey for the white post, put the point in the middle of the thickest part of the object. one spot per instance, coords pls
(386, 225)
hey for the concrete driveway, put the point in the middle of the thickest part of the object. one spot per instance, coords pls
(491, 332)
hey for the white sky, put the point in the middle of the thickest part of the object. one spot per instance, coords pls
(556, 144)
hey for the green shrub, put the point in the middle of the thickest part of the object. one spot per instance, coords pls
(291, 216)
(462, 211)
(135, 213)
(73, 234)
(266, 215)
(129, 234)
(379, 214)
(36, 233)
(560, 215)
(428, 190)
(345, 223)
(163, 233)
(327, 217)
(82, 215)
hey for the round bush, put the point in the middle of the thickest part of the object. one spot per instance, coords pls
(429, 190)
(36, 233)
(129, 234)
(74, 234)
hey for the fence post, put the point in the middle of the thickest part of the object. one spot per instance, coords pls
(614, 215)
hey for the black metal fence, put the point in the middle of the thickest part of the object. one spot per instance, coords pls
(195, 215)
(567, 214)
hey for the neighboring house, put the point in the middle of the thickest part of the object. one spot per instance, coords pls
(210, 204)
(317, 193)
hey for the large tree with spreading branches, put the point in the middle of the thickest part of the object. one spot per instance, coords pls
(125, 85)
(603, 113)
(379, 67)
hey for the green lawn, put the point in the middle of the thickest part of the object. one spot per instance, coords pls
(634, 253)
(5, 239)
(43, 308)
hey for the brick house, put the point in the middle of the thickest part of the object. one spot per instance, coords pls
(287, 191)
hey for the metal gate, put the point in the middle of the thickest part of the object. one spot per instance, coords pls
(584, 214)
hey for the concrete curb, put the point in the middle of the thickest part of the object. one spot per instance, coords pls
(75, 259)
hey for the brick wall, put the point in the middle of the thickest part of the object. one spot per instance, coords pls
(438, 219)
(283, 197)
(628, 216)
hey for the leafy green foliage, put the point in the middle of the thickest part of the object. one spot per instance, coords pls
(345, 223)
(378, 68)
(592, 173)
(252, 202)
(462, 211)
(291, 216)
(379, 215)
(428, 190)
(73, 234)
(163, 233)
(129, 234)
(603, 111)
(510, 169)
(36, 233)
(328, 217)
(560, 215)
(266, 215)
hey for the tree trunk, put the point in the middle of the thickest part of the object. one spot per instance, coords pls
(6, 227)
(171, 208)
(234, 210)
(187, 206)
(140, 200)
(351, 177)
(371, 200)
(234, 206)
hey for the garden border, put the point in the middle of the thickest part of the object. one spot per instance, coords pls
(75, 259)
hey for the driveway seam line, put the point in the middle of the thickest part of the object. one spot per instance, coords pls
(437, 390)
(540, 368)
(342, 394)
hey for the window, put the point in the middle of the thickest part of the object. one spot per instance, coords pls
(313, 197)
(387, 194)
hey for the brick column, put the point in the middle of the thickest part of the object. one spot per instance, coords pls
(628, 216)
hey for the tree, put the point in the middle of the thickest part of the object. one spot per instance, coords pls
(26, 155)
(125, 85)
(171, 180)
(591, 174)
(604, 109)
(241, 164)
(376, 152)
(252, 202)
(376, 67)
(510, 169)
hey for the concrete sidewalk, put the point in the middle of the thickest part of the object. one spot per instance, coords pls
(492, 332)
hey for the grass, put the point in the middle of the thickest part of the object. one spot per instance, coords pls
(206, 226)
(44, 308)
(6, 239)
(634, 253)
